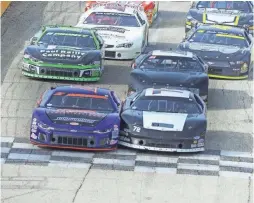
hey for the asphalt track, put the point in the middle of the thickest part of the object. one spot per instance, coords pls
(230, 131)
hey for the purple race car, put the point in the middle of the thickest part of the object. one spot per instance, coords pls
(76, 117)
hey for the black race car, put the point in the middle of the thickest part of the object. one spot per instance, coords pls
(64, 53)
(237, 13)
(164, 120)
(227, 50)
(169, 69)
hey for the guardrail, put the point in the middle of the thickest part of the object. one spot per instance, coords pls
(4, 6)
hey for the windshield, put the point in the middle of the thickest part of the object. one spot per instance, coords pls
(68, 39)
(80, 101)
(228, 5)
(220, 38)
(171, 64)
(167, 105)
(114, 19)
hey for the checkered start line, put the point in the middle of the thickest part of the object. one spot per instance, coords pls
(208, 163)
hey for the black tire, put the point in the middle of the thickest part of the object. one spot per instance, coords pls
(250, 72)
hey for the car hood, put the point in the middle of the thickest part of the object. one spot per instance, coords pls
(61, 54)
(164, 121)
(117, 34)
(69, 118)
(212, 51)
(144, 79)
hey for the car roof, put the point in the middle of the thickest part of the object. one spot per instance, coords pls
(173, 53)
(219, 28)
(69, 30)
(162, 92)
(128, 9)
(83, 90)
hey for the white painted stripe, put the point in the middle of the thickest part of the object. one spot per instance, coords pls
(36, 157)
(143, 169)
(24, 146)
(114, 162)
(155, 158)
(2, 161)
(73, 154)
(236, 164)
(201, 167)
(236, 154)
(7, 139)
(18, 156)
(165, 170)
(202, 157)
(69, 164)
(5, 150)
(231, 174)
(122, 152)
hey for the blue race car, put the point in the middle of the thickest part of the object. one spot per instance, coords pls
(76, 117)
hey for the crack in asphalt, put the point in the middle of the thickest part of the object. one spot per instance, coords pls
(249, 189)
(81, 184)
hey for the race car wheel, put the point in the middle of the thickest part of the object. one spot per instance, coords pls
(250, 72)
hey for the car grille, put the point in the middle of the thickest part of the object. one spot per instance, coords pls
(59, 72)
(215, 70)
(111, 54)
(109, 46)
(73, 141)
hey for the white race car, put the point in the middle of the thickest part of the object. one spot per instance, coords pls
(123, 29)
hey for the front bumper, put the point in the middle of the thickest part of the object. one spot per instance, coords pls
(122, 53)
(57, 73)
(77, 141)
(226, 72)
(163, 145)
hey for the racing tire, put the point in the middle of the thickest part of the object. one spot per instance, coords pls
(250, 72)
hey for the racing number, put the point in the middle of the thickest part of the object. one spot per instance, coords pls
(136, 129)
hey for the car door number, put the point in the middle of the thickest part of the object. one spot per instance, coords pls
(136, 129)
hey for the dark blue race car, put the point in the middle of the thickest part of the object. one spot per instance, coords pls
(76, 117)
(227, 50)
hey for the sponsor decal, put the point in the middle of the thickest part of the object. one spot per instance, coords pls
(193, 145)
(112, 142)
(34, 127)
(78, 113)
(34, 131)
(34, 136)
(74, 123)
(112, 29)
(57, 53)
(112, 14)
(82, 120)
(125, 139)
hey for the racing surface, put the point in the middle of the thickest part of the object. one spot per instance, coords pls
(229, 140)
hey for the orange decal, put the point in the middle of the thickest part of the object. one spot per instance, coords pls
(87, 95)
(59, 93)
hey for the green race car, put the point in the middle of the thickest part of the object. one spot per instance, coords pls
(64, 53)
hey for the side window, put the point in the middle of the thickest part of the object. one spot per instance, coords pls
(142, 22)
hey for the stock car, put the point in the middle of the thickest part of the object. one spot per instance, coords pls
(76, 117)
(150, 7)
(227, 50)
(64, 53)
(169, 68)
(237, 13)
(161, 119)
(123, 28)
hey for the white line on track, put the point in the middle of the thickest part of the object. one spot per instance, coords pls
(155, 158)
(236, 154)
(236, 164)
(114, 162)
(200, 167)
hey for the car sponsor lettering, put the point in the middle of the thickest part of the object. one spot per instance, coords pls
(112, 14)
(82, 120)
(33, 130)
(74, 123)
(78, 112)
(113, 29)
(34, 136)
(71, 34)
(125, 139)
(57, 53)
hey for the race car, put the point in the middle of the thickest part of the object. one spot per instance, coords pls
(76, 117)
(169, 69)
(150, 7)
(160, 119)
(123, 28)
(227, 50)
(64, 53)
(237, 13)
